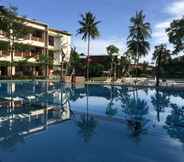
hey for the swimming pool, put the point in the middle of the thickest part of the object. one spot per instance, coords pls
(53, 122)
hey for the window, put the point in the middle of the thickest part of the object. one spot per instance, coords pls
(51, 40)
(37, 36)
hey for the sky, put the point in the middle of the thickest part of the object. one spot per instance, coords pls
(113, 14)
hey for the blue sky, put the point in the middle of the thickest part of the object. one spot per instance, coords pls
(113, 14)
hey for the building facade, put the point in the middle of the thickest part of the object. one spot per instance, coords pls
(43, 40)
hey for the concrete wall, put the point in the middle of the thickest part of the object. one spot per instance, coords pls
(62, 42)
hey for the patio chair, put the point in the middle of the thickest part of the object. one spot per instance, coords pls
(170, 83)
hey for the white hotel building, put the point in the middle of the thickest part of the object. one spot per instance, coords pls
(42, 40)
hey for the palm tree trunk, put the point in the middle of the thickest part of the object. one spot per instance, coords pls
(137, 57)
(111, 72)
(158, 72)
(11, 63)
(88, 58)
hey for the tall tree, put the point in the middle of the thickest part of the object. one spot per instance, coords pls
(161, 55)
(111, 50)
(89, 30)
(74, 60)
(14, 28)
(176, 35)
(139, 33)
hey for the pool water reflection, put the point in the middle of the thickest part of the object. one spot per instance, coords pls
(53, 122)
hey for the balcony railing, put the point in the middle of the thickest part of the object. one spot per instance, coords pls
(4, 53)
(37, 39)
(27, 54)
(3, 33)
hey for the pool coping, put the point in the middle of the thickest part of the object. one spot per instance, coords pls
(138, 86)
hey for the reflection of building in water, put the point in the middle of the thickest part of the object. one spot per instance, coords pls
(10, 88)
(24, 119)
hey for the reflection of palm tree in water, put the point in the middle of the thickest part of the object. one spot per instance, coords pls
(110, 110)
(175, 122)
(135, 109)
(87, 124)
(160, 101)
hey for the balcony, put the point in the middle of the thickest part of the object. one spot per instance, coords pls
(3, 33)
(4, 53)
(37, 36)
(37, 39)
(27, 54)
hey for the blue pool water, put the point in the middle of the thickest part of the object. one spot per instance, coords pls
(50, 122)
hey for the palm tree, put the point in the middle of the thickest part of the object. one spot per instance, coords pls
(88, 29)
(161, 55)
(111, 50)
(139, 32)
(74, 60)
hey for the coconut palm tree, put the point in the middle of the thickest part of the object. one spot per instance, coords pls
(139, 33)
(161, 55)
(111, 50)
(89, 30)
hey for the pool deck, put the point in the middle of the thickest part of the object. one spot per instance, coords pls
(176, 86)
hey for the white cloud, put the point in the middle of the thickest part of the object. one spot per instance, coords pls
(98, 46)
(163, 25)
(175, 9)
(160, 37)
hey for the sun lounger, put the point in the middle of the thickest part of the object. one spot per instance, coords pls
(109, 80)
(170, 83)
(118, 81)
(141, 81)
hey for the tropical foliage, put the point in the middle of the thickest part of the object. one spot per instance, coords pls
(14, 28)
(74, 61)
(88, 30)
(139, 33)
(111, 51)
(176, 35)
(162, 56)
